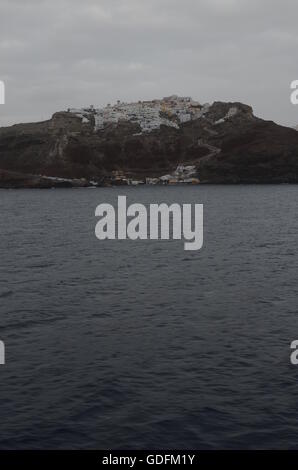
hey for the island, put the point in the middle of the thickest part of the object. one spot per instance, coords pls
(173, 140)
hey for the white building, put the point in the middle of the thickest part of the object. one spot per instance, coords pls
(171, 111)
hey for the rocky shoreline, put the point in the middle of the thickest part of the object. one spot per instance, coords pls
(223, 144)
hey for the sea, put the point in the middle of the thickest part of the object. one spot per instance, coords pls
(122, 344)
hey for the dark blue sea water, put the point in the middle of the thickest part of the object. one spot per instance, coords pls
(138, 345)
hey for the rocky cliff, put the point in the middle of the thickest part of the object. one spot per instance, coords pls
(226, 144)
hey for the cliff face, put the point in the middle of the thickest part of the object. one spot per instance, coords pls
(227, 144)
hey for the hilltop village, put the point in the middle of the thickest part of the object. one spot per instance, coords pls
(170, 111)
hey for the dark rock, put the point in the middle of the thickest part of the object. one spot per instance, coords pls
(228, 144)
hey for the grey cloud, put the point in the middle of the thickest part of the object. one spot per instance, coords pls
(55, 54)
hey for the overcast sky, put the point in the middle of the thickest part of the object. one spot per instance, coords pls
(60, 53)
